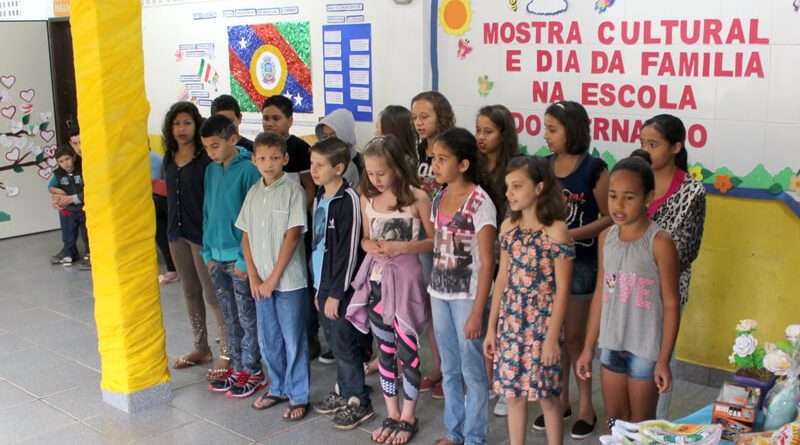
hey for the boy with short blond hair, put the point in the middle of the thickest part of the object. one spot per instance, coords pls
(273, 220)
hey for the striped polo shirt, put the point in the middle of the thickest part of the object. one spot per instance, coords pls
(267, 213)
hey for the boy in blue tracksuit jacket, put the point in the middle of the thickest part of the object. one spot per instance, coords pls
(335, 256)
(226, 183)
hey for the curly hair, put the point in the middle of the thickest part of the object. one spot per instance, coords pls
(168, 139)
(445, 118)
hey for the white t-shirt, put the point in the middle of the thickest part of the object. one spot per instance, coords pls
(456, 254)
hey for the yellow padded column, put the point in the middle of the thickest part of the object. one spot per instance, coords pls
(112, 109)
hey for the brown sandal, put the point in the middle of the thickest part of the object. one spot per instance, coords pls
(271, 400)
(182, 362)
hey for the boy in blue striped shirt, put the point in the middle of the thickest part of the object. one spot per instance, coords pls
(273, 221)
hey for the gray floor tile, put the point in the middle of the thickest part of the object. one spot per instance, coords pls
(20, 362)
(37, 316)
(75, 434)
(79, 309)
(29, 419)
(44, 381)
(12, 305)
(50, 334)
(11, 396)
(82, 349)
(126, 428)
(81, 402)
(12, 343)
(316, 431)
(196, 433)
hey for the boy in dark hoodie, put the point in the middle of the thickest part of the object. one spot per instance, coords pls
(66, 185)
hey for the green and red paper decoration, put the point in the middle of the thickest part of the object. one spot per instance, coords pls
(269, 59)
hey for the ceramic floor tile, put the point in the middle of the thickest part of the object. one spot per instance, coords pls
(10, 343)
(82, 349)
(29, 318)
(20, 362)
(44, 381)
(81, 402)
(11, 396)
(30, 419)
(127, 428)
(79, 309)
(75, 434)
(50, 334)
(196, 433)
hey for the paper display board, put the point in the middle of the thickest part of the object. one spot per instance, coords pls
(727, 69)
(27, 137)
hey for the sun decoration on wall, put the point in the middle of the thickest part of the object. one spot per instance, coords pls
(455, 16)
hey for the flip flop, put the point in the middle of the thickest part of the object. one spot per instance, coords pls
(181, 362)
(287, 416)
(409, 428)
(388, 424)
(272, 401)
(162, 279)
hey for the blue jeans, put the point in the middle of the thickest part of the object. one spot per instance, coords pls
(466, 417)
(282, 336)
(71, 226)
(624, 362)
(239, 311)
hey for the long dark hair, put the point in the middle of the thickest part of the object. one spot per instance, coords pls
(575, 120)
(168, 140)
(550, 204)
(445, 118)
(673, 130)
(389, 148)
(509, 148)
(396, 120)
(463, 145)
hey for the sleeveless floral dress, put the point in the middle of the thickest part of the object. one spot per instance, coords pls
(525, 312)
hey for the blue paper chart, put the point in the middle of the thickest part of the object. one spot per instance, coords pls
(347, 51)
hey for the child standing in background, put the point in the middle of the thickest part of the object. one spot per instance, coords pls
(390, 297)
(635, 311)
(227, 106)
(396, 120)
(584, 179)
(464, 220)
(66, 187)
(227, 181)
(341, 124)
(335, 257)
(431, 114)
(679, 206)
(525, 335)
(272, 220)
(497, 140)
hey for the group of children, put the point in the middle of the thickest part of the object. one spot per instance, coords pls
(431, 230)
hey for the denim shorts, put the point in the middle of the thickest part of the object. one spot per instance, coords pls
(623, 362)
(584, 276)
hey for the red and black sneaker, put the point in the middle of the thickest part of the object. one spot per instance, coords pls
(246, 384)
(225, 382)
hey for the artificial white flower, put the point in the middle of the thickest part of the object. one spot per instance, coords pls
(12, 191)
(792, 333)
(746, 325)
(777, 362)
(744, 345)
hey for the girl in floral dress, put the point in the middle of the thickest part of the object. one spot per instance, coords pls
(524, 336)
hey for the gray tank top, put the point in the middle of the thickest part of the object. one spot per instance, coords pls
(633, 312)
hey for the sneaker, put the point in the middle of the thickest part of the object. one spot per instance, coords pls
(66, 261)
(333, 404)
(582, 429)
(86, 263)
(353, 415)
(327, 358)
(538, 424)
(56, 259)
(438, 391)
(247, 384)
(225, 383)
(501, 407)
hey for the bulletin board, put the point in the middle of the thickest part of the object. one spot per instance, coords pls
(727, 69)
(27, 135)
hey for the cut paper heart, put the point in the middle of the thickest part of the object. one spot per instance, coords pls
(45, 172)
(13, 154)
(47, 135)
(8, 112)
(8, 81)
(52, 162)
(50, 151)
(27, 95)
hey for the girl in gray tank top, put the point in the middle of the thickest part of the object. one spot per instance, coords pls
(635, 308)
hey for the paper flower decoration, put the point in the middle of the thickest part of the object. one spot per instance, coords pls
(778, 362)
(696, 172)
(792, 334)
(745, 345)
(746, 326)
(723, 183)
